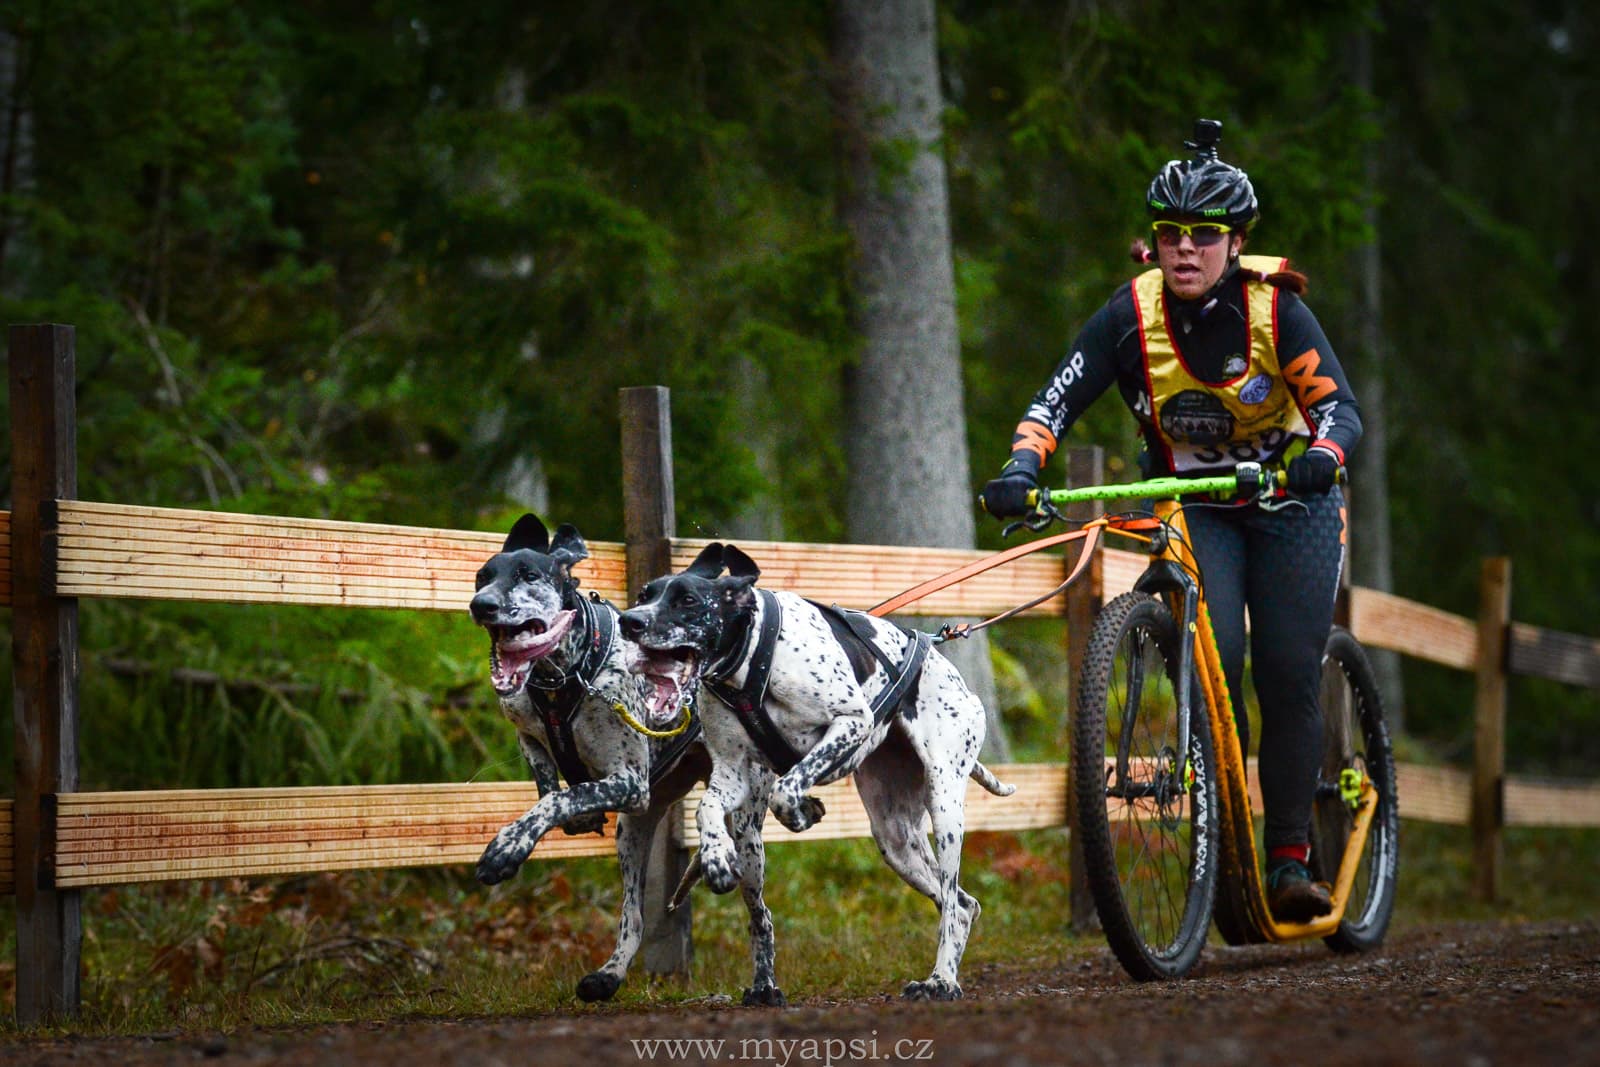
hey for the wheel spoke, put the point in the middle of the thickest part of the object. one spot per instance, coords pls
(1153, 898)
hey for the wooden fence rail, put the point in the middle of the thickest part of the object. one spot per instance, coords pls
(56, 841)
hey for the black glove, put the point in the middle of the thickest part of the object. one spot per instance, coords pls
(1313, 472)
(1007, 496)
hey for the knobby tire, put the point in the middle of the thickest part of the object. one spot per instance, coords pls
(1355, 735)
(1149, 840)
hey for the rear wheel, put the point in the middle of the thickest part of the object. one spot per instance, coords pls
(1355, 748)
(1146, 814)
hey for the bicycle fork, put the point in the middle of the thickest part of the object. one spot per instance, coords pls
(1167, 579)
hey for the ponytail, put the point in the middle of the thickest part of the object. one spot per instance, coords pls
(1291, 280)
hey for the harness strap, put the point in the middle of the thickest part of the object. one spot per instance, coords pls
(749, 701)
(887, 704)
(901, 675)
(558, 730)
(661, 763)
(558, 706)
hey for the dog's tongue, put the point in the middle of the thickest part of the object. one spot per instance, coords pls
(664, 699)
(515, 656)
(528, 645)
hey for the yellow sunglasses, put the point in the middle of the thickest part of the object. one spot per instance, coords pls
(1203, 234)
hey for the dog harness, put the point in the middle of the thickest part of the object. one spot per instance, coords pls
(902, 677)
(558, 705)
(749, 701)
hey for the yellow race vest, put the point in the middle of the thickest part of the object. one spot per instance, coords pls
(1204, 425)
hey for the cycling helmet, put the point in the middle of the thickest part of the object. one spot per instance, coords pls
(1203, 187)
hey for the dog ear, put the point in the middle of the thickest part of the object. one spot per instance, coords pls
(568, 546)
(735, 592)
(708, 564)
(739, 564)
(528, 532)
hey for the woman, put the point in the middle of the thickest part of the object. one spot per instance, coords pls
(1220, 362)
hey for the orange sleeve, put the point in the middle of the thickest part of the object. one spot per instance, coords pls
(1032, 437)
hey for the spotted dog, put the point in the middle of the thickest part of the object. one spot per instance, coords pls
(795, 695)
(556, 665)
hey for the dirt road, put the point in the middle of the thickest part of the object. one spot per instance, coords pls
(1467, 995)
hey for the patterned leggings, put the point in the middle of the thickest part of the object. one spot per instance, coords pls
(1284, 566)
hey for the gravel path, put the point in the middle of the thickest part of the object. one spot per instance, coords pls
(1467, 995)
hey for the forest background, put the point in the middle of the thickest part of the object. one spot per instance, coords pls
(391, 262)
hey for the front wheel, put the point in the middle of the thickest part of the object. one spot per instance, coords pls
(1355, 748)
(1146, 813)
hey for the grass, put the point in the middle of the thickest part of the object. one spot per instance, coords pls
(181, 695)
(222, 955)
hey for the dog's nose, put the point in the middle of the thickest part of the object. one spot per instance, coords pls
(632, 626)
(484, 608)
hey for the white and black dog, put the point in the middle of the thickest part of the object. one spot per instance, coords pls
(802, 695)
(557, 668)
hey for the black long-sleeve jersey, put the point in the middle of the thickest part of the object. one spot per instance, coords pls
(1213, 344)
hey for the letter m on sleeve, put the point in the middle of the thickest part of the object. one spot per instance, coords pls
(1308, 386)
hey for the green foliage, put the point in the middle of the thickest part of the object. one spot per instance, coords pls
(1062, 118)
(392, 269)
(1030, 673)
(1489, 344)
(206, 696)
(393, 264)
(1545, 874)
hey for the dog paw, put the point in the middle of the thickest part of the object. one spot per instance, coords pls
(499, 862)
(765, 997)
(592, 823)
(798, 815)
(598, 985)
(721, 873)
(932, 989)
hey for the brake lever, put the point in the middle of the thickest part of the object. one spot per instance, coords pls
(1272, 497)
(1040, 519)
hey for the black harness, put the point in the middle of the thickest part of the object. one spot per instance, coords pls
(557, 705)
(749, 701)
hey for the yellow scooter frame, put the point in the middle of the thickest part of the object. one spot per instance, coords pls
(1240, 887)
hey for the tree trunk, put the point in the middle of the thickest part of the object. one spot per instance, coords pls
(910, 481)
(16, 152)
(1371, 559)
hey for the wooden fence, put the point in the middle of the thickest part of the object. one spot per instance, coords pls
(56, 841)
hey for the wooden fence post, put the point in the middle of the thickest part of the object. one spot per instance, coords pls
(44, 660)
(1489, 734)
(1086, 465)
(649, 521)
